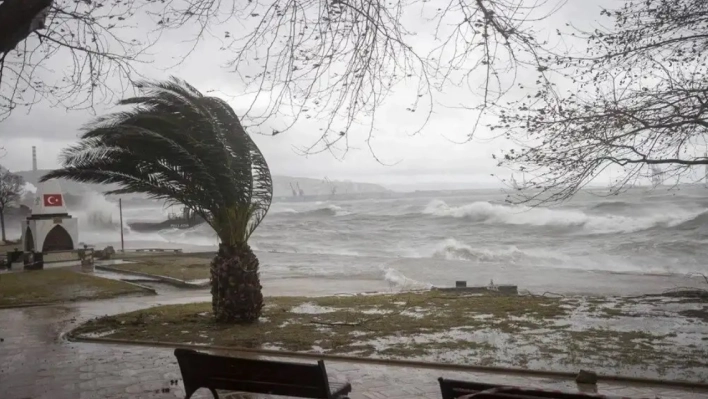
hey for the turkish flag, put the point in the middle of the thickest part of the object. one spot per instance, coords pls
(53, 200)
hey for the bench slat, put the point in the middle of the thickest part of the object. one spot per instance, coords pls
(260, 370)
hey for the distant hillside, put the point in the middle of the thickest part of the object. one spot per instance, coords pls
(281, 185)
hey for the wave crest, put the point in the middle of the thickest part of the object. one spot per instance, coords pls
(613, 206)
(699, 222)
(451, 249)
(328, 210)
(489, 213)
(399, 281)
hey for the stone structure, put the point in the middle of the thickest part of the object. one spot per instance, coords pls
(49, 227)
(87, 259)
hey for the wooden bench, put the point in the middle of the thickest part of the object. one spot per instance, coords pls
(201, 370)
(453, 389)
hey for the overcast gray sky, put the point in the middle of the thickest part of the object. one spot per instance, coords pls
(428, 160)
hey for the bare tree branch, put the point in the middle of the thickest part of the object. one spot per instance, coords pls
(335, 62)
(636, 99)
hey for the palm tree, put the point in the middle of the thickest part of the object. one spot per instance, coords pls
(180, 146)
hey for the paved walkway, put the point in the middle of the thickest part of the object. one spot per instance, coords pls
(37, 363)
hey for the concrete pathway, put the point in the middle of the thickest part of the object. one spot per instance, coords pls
(37, 363)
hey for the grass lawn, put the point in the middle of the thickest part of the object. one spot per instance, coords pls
(58, 285)
(182, 267)
(524, 331)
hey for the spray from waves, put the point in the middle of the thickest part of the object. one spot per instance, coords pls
(29, 188)
(488, 213)
(274, 210)
(327, 210)
(96, 213)
(200, 235)
(451, 249)
(398, 281)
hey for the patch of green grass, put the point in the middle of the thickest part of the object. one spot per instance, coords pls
(626, 347)
(351, 320)
(613, 312)
(58, 285)
(182, 267)
(518, 331)
(417, 349)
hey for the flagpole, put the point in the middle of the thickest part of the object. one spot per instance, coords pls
(120, 210)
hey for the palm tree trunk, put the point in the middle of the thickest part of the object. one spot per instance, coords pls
(235, 285)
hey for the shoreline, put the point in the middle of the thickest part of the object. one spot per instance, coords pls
(308, 274)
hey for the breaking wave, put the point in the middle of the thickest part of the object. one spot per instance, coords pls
(613, 206)
(327, 210)
(451, 249)
(489, 213)
(276, 211)
(695, 223)
(399, 281)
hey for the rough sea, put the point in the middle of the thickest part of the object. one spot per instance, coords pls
(592, 243)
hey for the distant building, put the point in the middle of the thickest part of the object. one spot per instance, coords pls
(49, 227)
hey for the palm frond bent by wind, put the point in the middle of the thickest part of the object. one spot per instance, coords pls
(178, 145)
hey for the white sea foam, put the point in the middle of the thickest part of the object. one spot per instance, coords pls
(399, 281)
(283, 210)
(452, 249)
(486, 212)
(336, 210)
(310, 240)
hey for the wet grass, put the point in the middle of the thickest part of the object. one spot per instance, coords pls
(700, 314)
(348, 321)
(518, 331)
(58, 285)
(182, 267)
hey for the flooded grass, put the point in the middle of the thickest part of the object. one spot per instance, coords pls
(516, 331)
(58, 285)
(182, 267)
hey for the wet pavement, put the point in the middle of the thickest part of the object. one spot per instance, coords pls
(37, 363)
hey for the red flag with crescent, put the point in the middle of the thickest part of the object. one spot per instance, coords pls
(53, 200)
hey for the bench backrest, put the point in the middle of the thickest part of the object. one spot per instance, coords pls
(453, 389)
(251, 375)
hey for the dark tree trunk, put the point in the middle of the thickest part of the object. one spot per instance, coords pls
(235, 285)
(2, 225)
(19, 18)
